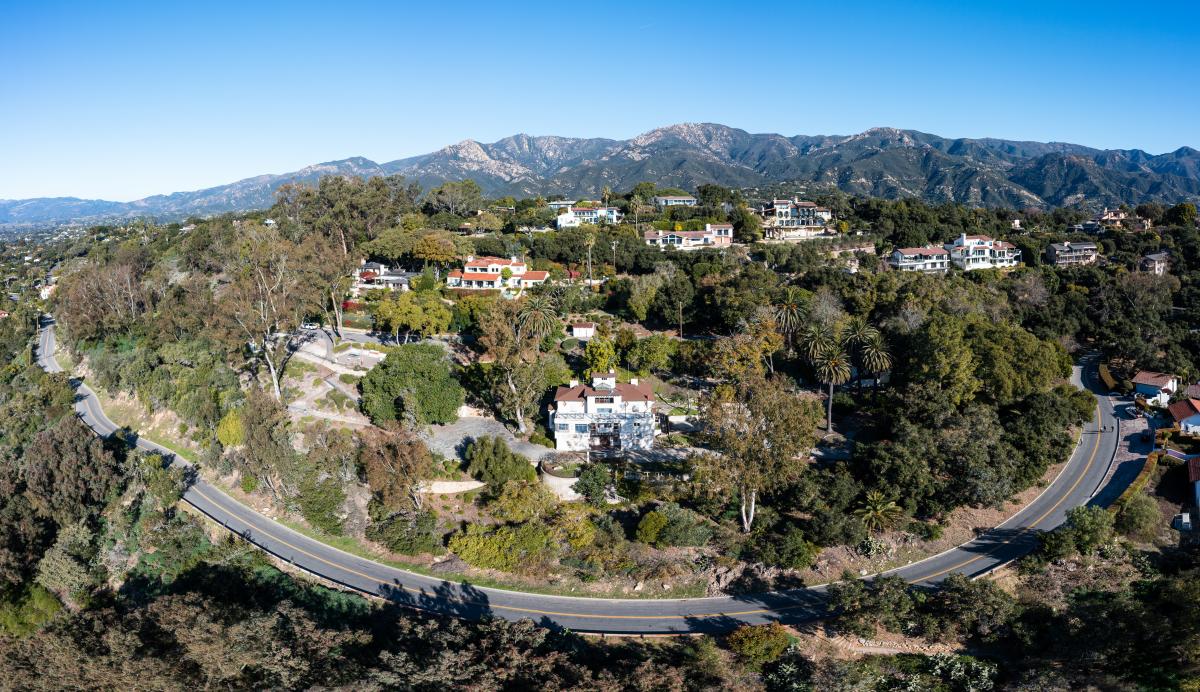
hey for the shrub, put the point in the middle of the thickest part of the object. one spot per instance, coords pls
(650, 526)
(539, 439)
(231, 432)
(1139, 517)
(520, 501)
(249, 482)
(593, 484)
(408, 534)
(926, 531)
(491, 461)
(320, 502)
(523, 548)
(683, 527)
(792, 549)
(23, 612)
(759, 644)
(347, 378)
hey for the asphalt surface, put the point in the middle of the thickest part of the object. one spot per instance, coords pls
(1080, 480)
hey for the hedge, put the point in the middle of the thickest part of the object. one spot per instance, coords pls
(1139, 483)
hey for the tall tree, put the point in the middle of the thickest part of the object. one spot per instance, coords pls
(758, 431)
(266, 297)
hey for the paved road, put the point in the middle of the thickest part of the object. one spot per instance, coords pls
(1075, 486)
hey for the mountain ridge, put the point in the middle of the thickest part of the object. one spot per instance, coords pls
(881, 161)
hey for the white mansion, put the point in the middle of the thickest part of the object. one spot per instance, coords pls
(969, 252)
(605, 416)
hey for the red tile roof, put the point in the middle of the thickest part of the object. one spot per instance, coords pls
(478, 276)
(534, 276)
(1185, 408)
(1153, 379)
(629, 392)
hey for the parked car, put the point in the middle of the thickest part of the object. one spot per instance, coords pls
(309, 325)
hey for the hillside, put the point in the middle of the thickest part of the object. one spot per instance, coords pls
(882, 162)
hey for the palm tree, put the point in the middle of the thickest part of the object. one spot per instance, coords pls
(537, 316)
(814, 338)
(833, 368)
(790, 311)
(858, 331)
(875, 356)
(877, 512)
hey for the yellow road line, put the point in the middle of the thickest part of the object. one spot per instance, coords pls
(490, 605)
(1078, 479)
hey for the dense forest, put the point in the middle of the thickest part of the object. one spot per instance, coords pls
(953, 389)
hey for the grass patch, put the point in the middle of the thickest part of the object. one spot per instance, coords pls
(336, 400)
(347, 378)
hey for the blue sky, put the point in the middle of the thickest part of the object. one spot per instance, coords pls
(132, 99)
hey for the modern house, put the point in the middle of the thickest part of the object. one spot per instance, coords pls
(970, 252)
(713, 235)
(1070, 254)
(561, 205)
(933, 260)
(494, 273)
(1186, 413)
(1156, 262)
(1155, 387)
(578, 216)
(606, 416)
(674, 201)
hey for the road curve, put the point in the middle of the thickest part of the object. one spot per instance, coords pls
(1076, 485)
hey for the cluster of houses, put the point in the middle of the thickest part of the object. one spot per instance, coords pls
(967, 252)
(1112, 219)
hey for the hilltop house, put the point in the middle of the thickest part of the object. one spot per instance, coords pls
(494, 273)
(794, 218)
(1155, 262)
(1069, 254)
(1155, 387)
(713, 235)
(933, 260)
(970, 252)
(577, 216)
(607, 416)
(561, 205)
(674, 201)
(373, 275)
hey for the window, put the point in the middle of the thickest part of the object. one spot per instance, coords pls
(604, 410)
(581, 428)
(604, 400)
(563, 427)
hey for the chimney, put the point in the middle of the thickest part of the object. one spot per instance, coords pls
(574, 384)
(633, 381)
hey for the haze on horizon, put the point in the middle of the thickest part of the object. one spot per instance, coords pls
(131, 100)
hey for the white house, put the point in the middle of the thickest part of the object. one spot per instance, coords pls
(577, 216)
(1187, 415)
(561, 205)
(933, 260)
(794, 218)
(606, 416)
(663, 201)
(970, 252)
(713, 235)
(494, 273)
(1155, 387)
(1155, 263)
(583, 330)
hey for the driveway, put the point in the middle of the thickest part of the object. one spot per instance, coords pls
(451, 440)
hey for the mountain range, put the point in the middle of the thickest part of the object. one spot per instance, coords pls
(881, 162)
